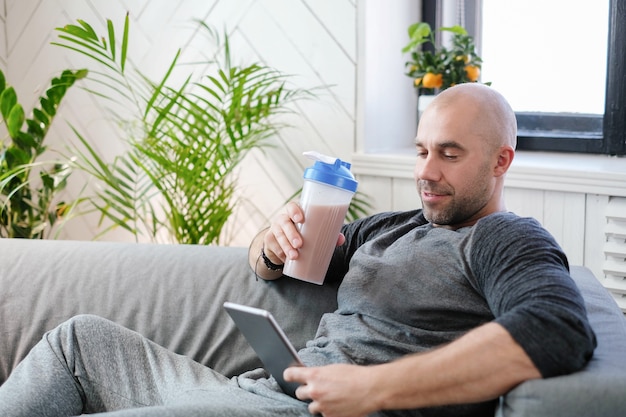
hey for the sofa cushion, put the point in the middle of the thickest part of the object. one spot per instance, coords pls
(600, 388)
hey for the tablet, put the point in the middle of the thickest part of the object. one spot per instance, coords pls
(268, 341)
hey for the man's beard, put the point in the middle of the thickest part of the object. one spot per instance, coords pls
(457, 210)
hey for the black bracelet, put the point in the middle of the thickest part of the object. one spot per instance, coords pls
(269, 264)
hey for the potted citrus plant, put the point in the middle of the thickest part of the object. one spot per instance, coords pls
(442, 67)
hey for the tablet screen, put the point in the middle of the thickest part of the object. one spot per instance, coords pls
(268, 341)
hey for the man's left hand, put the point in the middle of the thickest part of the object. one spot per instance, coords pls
(335, 390)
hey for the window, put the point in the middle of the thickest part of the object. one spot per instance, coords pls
(599, 128)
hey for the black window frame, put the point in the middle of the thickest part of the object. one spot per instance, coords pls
(574, 132)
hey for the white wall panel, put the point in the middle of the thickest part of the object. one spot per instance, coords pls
(558, 212)
(525, 202)
(380, 191)
(405, 195)
(390, 194)
(3, 51)
(339, 19)
(563, 217)
(3, 36)
(595, 238)
(316, 47)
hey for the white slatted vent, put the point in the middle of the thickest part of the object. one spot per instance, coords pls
(615, 250)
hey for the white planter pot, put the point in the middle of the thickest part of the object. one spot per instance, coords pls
(422, 102)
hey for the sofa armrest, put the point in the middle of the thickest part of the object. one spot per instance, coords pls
(597, 390)
(172, 294)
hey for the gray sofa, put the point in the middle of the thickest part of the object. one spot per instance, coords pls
(173, 294)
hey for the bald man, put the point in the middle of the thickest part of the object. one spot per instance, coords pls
(440, 310)
(456, 303)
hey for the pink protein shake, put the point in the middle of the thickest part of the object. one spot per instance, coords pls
(328, 189)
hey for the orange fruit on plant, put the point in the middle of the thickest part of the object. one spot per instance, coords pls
(473, 72)
(417, 82)
(432, 80)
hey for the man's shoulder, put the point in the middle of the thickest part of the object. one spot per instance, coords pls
(508, 220)
(512, 229)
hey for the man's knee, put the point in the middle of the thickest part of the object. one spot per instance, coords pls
(80, 329)
(87, 322)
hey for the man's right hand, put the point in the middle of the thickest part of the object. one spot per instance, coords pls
(283, 239)
(279, 242)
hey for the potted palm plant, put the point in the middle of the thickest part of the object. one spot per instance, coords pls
(177, 176)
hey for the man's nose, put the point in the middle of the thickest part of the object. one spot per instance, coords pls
(427, 169)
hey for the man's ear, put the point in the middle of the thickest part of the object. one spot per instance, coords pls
(505, 158)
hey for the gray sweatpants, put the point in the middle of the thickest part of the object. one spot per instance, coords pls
(91, 365)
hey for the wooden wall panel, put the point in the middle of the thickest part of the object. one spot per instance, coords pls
(558, 212)
(525, 202)
(3, 51)
(379, 190)
(390, 194)
(595, 239)
(405, 195)
(564, 215)
(3, 36)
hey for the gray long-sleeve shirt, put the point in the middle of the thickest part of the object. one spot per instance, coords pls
(407, 287)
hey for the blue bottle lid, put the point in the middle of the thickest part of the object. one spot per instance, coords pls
(331, 171)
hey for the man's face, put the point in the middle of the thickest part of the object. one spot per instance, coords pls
(455, 167)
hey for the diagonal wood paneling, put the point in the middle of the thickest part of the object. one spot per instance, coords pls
(3, 36)
(338, 19)
(314, 40)
(3, 52)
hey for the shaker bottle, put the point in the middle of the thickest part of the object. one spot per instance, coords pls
(326, 194)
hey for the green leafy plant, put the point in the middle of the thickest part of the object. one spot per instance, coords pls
(442, 67)
(185, 142)
(28, 186)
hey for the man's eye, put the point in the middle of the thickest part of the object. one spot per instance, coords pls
(450, 156)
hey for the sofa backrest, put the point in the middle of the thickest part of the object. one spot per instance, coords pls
(173, 294)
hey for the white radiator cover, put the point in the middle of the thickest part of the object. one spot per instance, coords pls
(615, 250)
